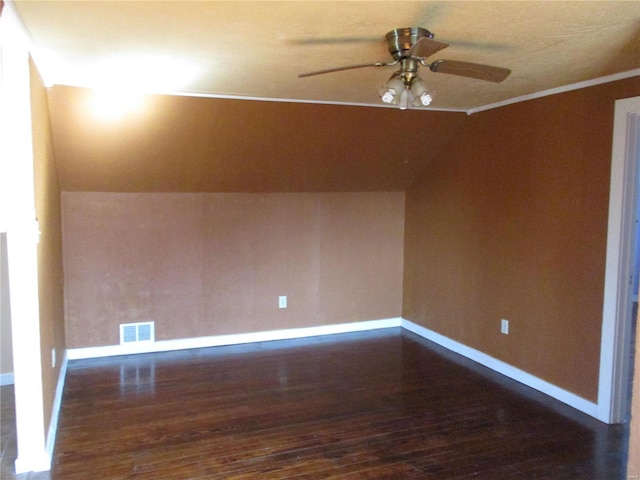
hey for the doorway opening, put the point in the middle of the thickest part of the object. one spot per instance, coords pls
(620, 271)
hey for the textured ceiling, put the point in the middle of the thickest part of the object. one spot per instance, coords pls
(256, 49)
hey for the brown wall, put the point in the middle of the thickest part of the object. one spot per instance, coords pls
(510, 222)
(195, 144)
(48, 212)
(211, 264)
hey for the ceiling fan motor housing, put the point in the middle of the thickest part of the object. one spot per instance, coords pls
(401, 40)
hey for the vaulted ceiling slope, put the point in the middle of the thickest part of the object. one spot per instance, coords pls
(257, 49)
(186, 144)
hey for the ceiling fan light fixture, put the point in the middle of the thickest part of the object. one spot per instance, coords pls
(425, 99)
(391, 91)
(410, 47)
(405, 99)
(405, 91)
(422, 96)
(389, 96)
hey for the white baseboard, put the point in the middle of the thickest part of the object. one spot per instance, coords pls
(505, 369)
(235, 339)
(55, 410)
(477, 356)
(6, 379)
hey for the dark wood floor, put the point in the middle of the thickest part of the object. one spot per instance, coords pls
(374, 405)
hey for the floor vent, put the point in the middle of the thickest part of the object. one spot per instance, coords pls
(142, 332)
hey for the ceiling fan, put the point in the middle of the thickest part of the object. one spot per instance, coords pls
(410, 47)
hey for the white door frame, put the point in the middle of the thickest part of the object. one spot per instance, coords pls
(613, 389)
(18, 220)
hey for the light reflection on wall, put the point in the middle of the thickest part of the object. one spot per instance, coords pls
(110, 104)
(121, 80)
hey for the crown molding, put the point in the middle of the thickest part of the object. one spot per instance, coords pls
(554, 91)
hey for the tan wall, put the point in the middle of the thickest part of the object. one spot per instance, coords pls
(6, 347)
(211, 264)
(50, 275)
(510, 222)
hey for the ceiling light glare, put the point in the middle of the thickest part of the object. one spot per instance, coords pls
(115, 104)
(145, 73)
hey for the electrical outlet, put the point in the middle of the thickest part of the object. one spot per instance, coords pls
(504, 326)
(53, 358)
(282, 301)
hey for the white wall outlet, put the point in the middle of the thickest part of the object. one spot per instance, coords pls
(282, 301)
(504, 326)
(53, 358)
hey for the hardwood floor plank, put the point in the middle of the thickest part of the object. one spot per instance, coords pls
(383, 404)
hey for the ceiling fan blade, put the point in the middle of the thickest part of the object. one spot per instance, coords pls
(425, 47)
(471, 70)
(348, 67)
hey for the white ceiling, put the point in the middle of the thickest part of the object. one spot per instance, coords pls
(257, 49)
